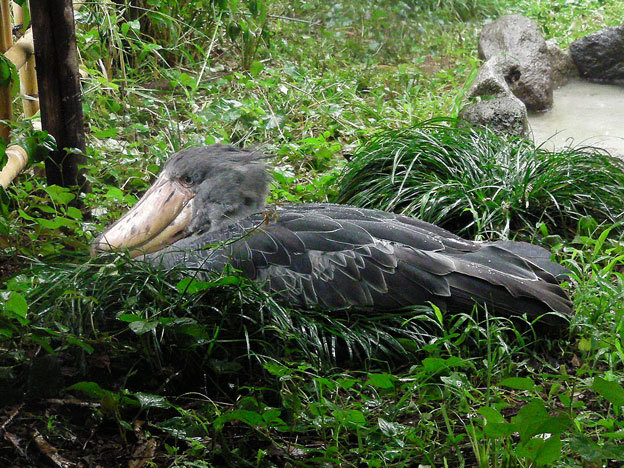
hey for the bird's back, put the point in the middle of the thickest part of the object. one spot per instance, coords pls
(337, 256)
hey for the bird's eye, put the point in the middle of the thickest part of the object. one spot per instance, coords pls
(187, 180)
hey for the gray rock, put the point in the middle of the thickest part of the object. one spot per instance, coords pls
(529, 74)
(492, 103)
(505, 115)
(563, 67)
(493, 78)
(600, 56)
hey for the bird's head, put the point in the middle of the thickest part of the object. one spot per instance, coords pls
(199, 189)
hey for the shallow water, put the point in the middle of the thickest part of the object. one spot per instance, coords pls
(583, 113)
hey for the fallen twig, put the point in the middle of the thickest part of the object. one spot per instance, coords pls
(49, 451)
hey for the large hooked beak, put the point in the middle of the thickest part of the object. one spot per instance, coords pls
(159, 218)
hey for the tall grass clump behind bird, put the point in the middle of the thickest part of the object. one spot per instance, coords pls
(480, 185)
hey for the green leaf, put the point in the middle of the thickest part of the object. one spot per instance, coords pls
(60, 195)
(346, 384)
(587, 449)
(17, 304)
(56, 223)
(380, 380)
(438, 313)
(43, 342)
(109, 398)
(191, 285)
(127, 26)
(542, 452)
(584, 345)
(497, 430)
(3, 156)
(434, 364)
(519, 383)
(74, 212)
(106, 133)
(491, 415)
(148, 400)
(75, 341)
(24, 215)
(46, 209)
(272, 416)
(4, 202)
(530, 418)
(587, 225)
(186, 80)
(38, 145)
(256, 68)
(276, 369)
(129, 317)
(5, 72)
(197, 331)
(349, 416)
(389, 429)
(114, 193)
(142, 327)
(248, 417)
(91, 389)
(612, 391)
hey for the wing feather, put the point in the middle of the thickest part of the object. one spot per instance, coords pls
(337, 256)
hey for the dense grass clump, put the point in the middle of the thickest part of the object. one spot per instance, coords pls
(463, 9)
(478, 184)
(173, 317)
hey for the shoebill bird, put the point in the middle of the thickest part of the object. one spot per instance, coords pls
(207, 209)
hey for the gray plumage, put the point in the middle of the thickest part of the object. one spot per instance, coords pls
(241, 189)
(336, 256)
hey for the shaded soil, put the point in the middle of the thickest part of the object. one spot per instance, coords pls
(9, 266)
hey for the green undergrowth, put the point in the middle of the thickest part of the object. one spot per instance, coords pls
(241, 319)
(477, 184)
(568, 20)
(208, 362)
(109, 360)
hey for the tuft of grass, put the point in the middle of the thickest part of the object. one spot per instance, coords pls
(157, 317)
(463, 10)
(224, 319)
(478, 184)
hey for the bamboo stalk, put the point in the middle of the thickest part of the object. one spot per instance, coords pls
(6, 41)
(6, 32)
(29, 89)
(22, 50)
(18, 16)
(18, 158)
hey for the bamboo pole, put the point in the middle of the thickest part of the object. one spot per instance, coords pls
(22, 56)
(6, 41)
(22, 50)
(29, 89)
(6, 31)
(17, 160)
(18, 17)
